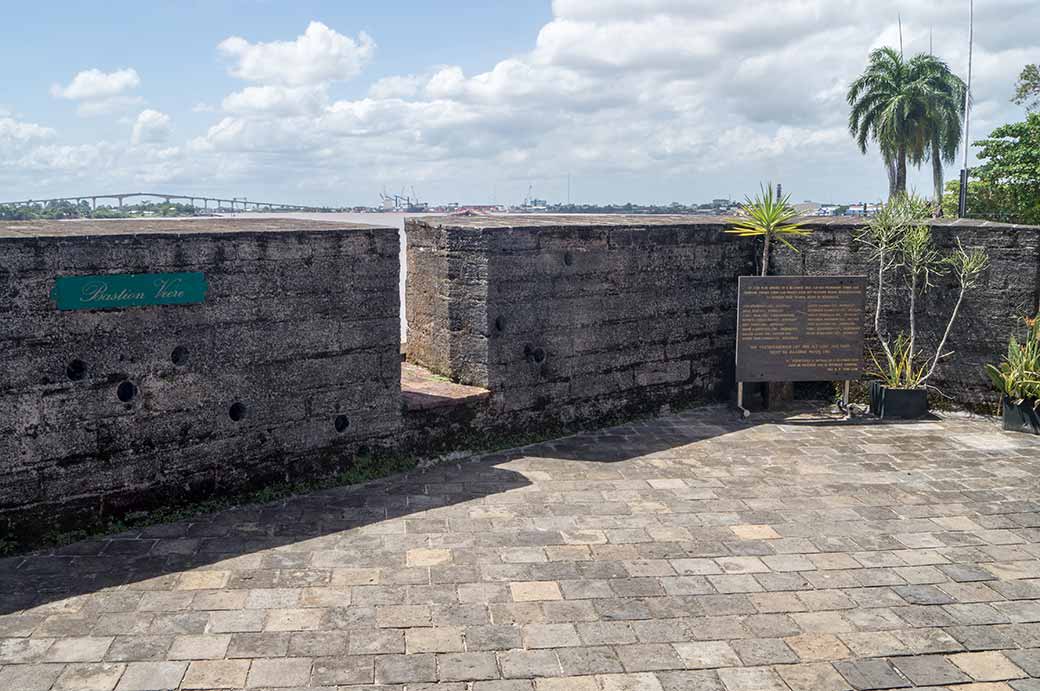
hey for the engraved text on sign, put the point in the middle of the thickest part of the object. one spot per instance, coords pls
(800, 328)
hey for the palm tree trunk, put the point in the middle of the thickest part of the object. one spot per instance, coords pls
(890, 168)
(937, 173)
(901, 171)
(765, 255)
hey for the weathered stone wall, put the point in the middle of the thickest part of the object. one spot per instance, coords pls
(300, 326)
(577, 318)
(445, 302)
(1007, 292)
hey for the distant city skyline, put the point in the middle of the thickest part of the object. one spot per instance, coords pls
(647, 101)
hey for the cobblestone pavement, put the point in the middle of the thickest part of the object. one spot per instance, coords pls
(687, 552)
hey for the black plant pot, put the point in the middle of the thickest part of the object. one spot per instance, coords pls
(900, 404)
(1021, 417)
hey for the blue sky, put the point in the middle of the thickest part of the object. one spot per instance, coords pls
(641, 100)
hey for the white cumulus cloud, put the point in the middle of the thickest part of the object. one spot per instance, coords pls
(99, 92)
(151, 127)
(641, 100)
(319, 55)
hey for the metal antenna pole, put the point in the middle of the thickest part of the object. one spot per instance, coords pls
(962, 202)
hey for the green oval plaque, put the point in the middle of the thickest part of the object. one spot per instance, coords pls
(119, 291)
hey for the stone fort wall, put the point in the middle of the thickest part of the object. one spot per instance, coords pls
(573, 317)
(298, 338)
(291, 366)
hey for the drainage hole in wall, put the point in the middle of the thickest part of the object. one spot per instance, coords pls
(342, 422)
(237, 411)
(538, 355)
(500, 323)
(126, 392)
(76, 370)
(568, 258)
(179, 356)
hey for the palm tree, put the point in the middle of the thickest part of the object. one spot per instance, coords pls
(911, 109)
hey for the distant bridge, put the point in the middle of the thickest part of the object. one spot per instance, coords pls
(219, 204)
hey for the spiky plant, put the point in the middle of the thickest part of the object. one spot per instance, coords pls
(769, 217)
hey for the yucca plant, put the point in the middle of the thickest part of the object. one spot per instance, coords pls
(769, 217)
(1018, 376)
(898, 369)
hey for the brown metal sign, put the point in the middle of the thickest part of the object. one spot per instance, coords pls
(800, 328)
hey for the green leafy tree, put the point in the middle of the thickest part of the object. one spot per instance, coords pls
(1006, 185)
(911, 109)
(768, 216)
(1027, 90)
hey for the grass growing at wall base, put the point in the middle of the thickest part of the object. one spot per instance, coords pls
(363, 469)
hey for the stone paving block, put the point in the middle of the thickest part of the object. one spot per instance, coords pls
(504, 685)
(584, 683)
(1027, 660)
(29, 677)
(216, 674)
(755, 532)
(866, 675)
(279, 672)
(234, 621)
(586, 660)
(550, 636)
(526, 664)
(991, 666)
(434, 640)
(929, 670)
(814, 647)
(248, 645)
(86, 649)
(90, 676)
(152, 676)
(203, 580)
(649, 657)
(751, 679)
(818, 676)
(707, 654)
(629, 682)
(467, 666)
(764, 651)
(535, 591)
(428, 557)
(23, 650)
(204, 647)
(376, 641)
(330, 671)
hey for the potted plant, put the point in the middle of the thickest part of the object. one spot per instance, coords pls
(901, 240)
(1017, 378)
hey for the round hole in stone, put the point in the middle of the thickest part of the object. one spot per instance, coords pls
(179, 356)
(500, 323)
(237, 411)
(342, 422)
(538, 355)
(76, 370)
(126, 392)
(568, 258)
